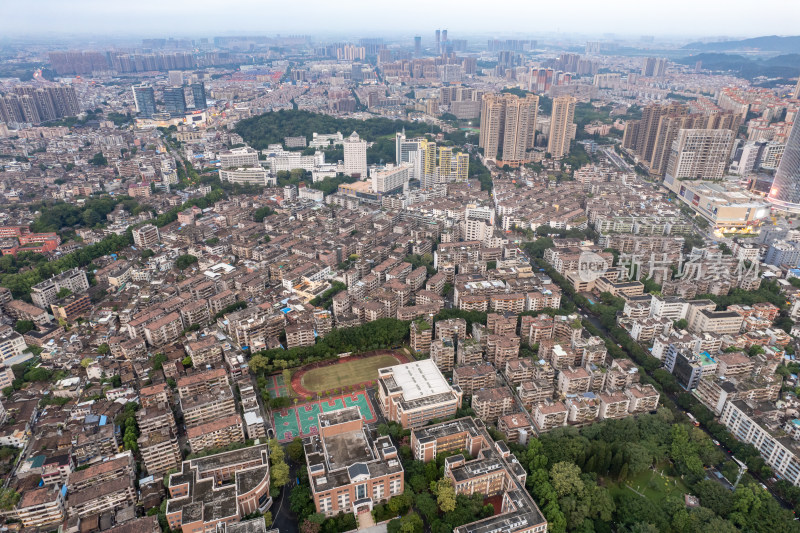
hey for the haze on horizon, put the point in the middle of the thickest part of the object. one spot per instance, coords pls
(631, 18)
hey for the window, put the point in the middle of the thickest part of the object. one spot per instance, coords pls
(361, 491)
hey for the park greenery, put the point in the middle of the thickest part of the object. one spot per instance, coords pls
(61, 216)
(271, 128)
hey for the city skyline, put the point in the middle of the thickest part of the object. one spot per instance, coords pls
(711, 19)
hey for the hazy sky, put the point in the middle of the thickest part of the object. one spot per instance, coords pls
(709, 18)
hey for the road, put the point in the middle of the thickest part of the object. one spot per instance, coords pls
(282, 516)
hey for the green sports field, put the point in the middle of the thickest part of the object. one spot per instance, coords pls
(350, 373)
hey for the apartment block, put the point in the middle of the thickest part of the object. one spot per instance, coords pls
(443, 354)
(202, 381)
(164, 330)
(573, 381)
(472, 378)
(613, 405)
(160, 451)
(642, 398)
(516, 428)
(778, 451)
(41, 508)
(421, 337)
(74, 280)
(217, 433)
(298, 335)
(207, 406)
(491, 404)
(548, 415)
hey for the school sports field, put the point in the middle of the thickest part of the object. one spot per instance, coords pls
(301, 420)
(354, 370)
(276, 387)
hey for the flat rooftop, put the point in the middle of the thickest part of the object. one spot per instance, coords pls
(420, 379)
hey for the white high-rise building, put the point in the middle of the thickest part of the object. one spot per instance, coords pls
(390, 178)
(355, 156)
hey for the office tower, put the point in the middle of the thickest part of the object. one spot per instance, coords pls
(355, 156)
(562, 127)
(785, 191)
(438, 42)
(199, 95)
(145, 100)
(443, 47)
(175, 78)
(797, 90)
(508, 127)
(175, 101)
(698, 154)
(417, 46)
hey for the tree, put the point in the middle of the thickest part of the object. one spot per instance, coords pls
(187, 361)
(9, 498)
(445, 495)
(295, 450)
(99, 160)
(426, 505)
(566, 478)
(280, 474)
(183, 261)
(23, 326)
(86, 361)
(103, 349)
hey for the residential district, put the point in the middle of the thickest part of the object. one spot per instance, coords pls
(258, 284)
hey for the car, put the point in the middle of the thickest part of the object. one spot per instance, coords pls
(716, 442)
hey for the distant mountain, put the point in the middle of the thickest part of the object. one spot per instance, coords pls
(771, 43)
(782, 66)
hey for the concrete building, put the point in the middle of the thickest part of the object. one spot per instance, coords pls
(777, 449)
(562, 126)
(242, 157)
(218, 490)
(493, 472)
(491, 404)
(45, 293)
(699, 154)
(508, 127)
(785, 193)
(146, 236)
(350, 468)
(355, 156)
(415, 393)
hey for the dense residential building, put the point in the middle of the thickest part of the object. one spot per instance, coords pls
(562, 127)
(45, 293)
(508, 127)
